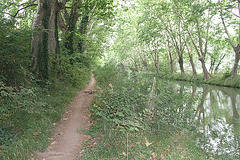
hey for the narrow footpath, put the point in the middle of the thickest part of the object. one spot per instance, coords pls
(67, 140)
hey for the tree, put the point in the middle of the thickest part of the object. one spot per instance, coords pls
(50, 17)
(189, 47)
(200, 17)
(175, 32)
(45, 39)
(225, 8)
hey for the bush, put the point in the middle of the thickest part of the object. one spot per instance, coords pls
(15, 55)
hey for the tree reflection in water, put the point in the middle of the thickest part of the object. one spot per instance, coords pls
(216, 120)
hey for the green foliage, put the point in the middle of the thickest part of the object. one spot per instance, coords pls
(227, 74)
(126, 114)
(15, 56)
(70, 70)
(233, 82)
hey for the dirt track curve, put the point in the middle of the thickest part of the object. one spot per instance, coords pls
(66, 141)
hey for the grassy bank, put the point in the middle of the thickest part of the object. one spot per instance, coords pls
(28, 114)
(223, 79)
(131, 122)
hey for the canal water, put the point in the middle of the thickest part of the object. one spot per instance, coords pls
(215, 118)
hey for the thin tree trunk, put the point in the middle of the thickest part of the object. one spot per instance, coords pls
(193, 66)
(219, 63)
(170, 60)
(190, 51)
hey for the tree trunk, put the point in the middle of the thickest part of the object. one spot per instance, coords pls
(180, 61)
(193, 67)
(235, 48)
(190, 51)
(171, 61)
(204, 68)
(45, 40)
(83, 31)
(156, 62)
(237, 57)
(170, 57)
(71, 29)
(201, 53)
(219, 63)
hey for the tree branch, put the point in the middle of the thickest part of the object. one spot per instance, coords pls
(199, 38)
(195, 46)
(23, 9)
(226, 31)
(239, 23)
(206, 39)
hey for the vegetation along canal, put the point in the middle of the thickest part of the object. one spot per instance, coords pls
(139, 116)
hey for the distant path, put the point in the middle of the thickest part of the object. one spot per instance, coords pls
(66, 141)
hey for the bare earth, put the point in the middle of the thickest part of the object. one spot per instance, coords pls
(66, 141)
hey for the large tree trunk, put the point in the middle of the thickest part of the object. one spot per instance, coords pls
(83, 31)
(45, 40)
(71, 25)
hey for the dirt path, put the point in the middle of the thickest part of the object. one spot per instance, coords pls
(66, 141)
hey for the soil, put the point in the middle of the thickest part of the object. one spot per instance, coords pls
(67, 139)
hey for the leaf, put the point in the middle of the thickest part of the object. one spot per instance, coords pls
(154, 155)
(131, 129)
(30, 91)
(36, 133)
(120, 114)
(147, 143)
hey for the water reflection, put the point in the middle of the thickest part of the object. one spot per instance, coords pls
(216, 119)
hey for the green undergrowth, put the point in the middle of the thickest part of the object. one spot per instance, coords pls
(28, 114)
(131, 121)
(221, 79)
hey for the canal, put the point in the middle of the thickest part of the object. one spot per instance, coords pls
(214, 118)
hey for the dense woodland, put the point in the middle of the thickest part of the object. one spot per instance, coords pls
(48, 49)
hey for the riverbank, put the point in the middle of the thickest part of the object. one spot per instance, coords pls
(137, 116)
(224, 79)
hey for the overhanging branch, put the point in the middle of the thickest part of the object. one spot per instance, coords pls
(23, 9)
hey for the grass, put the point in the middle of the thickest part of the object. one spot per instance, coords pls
(28, 127)
(178, 146)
